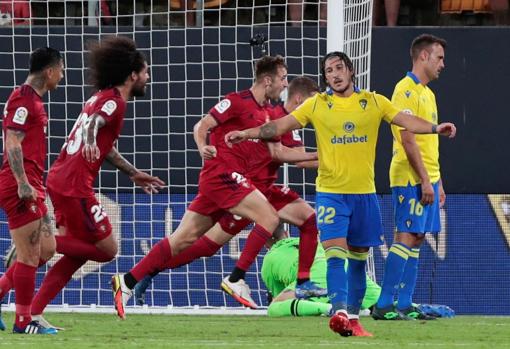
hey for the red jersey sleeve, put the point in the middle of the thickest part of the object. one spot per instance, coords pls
(226, 109)
(110, 108)
(18, 113)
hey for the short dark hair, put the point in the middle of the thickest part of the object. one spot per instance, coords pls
(112, 60)
(344, 58)
(304, 85)
(268, 65)
(424, 41)
(42, 58)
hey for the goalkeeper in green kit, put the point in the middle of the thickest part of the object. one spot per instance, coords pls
(279, 270)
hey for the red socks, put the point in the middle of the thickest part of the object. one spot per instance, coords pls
(256, 240)
(72, 247)
(54, 281)
(158, 258)
(307, 246)
(24, 286)
(6, 281)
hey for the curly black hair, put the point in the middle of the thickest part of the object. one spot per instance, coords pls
(112, 60)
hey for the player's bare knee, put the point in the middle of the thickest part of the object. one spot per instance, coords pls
(269, 222)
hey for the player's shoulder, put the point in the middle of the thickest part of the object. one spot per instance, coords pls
(24, 95)
(107, 100)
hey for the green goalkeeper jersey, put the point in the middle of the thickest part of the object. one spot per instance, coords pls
(280, 266)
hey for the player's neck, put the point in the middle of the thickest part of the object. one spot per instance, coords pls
(259, 93)
(420, 74)
(125, 92)
(290, 105)
(38, 84)
(345, 93)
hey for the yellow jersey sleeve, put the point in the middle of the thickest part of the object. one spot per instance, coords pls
(303, 113)
(388, 110)
(406, 101)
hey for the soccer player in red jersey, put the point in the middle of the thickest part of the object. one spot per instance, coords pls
(263, 172)
(222, 186)
(22, 192)
(119, 72)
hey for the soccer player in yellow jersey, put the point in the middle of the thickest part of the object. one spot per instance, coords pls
(415, 181)
(346, 122)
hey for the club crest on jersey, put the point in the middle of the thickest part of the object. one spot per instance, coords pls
(222, 106)
(363, 103)
(407, 93)
(349, 127)
(20, 116)
(109, 107)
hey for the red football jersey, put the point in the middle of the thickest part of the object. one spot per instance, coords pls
(263, 171)
(25, 111)
(71, 174)
(237, 111)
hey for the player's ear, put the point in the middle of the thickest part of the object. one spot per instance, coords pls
(268, 80)
(134, 76)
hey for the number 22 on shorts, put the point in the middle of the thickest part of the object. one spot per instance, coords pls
(325, 215)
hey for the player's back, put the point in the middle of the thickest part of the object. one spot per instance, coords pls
(24, 111)
(237, 111)
(71, 174)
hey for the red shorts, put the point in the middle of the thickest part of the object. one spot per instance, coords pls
(21, 212)
(83, 218)
(202, 205)
(278, 196)
(223, 187)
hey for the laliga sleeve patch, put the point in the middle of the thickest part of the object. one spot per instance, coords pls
(222, 106)
(109, 107)
(407, 111)
(20, 116)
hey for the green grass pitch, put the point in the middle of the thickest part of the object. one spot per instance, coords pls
(180, 331)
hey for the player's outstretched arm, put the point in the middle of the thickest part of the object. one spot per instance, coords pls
(266, 132)
(148, 183)
(281, 153)
(14, 151)
(415, 124)
(90, 150)
(200, 131)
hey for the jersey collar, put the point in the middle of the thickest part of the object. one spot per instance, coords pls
(414, 77)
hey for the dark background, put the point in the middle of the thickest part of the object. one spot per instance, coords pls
(192, 68)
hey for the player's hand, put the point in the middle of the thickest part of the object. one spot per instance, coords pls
(442, 196)
(208, 152)
(427, 193)
(27, 192)
(234, 137)
(446, 129)
(148, 183)
(91, 152)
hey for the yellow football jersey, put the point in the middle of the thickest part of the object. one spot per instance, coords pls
(346, 131)
(413, 97)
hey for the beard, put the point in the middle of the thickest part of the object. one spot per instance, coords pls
(138, 90)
